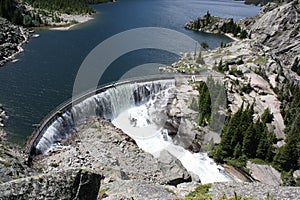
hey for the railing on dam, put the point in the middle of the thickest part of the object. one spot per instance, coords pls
(65, 106)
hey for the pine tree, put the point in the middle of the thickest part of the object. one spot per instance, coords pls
(270, 150)
(267, 116)
(263, 145)
(249, 142)
(204, 104)
(220, 66)
(237, 151)
(288, 155)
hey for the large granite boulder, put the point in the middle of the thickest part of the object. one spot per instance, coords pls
(63, 184)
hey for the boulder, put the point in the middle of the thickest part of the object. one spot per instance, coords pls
(134, 189)
(265, 174)
(63, 184)
(173, 169)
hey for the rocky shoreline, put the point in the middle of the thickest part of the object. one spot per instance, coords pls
(217, 25)
(12, 37)
(67, 21)
(3, 116)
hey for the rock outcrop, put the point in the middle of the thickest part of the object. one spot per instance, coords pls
(12, 162)
(3, 116)
(12, 37)
(254, 191)
(213, 24)
(257, 67)
(65, 184)
(264, 61)
(265, 174)
(276, 29)
(107, 150)
(138, 190)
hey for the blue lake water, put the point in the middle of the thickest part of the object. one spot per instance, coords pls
(44, 75)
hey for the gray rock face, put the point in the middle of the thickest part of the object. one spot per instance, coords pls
(137, 190)
(277, 28)
(12, 37)
(67, 184)
(12, 165)
(254, 190)
(173, 169)
(181, 123)
(107, 150)
(265, 174)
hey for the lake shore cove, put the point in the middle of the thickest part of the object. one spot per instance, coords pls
(16, 29)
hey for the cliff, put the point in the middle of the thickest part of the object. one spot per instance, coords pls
(275, 31)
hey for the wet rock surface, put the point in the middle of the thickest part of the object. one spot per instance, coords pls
(3, 116)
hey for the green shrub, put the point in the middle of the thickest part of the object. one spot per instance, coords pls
(6, 164)
(54, 165)
(102, 192)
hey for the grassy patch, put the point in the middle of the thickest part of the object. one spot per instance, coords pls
(201, 189)
(259, 161)
(200, 193)
(260, 60)
(102, 192)
(170, 191)
(234, 71)
(6, 164)
(96, 126)
(239, 163)
(54, 165)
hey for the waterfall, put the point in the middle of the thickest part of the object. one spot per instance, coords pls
(139, 109)
(145, 124)
(107, 104)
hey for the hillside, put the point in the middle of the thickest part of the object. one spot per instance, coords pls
(260, 76)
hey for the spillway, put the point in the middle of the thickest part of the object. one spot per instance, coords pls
(136, 107)
(107, 103)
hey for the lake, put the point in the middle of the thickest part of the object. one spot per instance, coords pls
(44, 76)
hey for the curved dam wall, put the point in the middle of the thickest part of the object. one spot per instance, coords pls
(105, 102)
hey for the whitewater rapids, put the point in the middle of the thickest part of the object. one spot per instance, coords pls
(137, 122)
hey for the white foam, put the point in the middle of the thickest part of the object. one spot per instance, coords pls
(138, 123)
